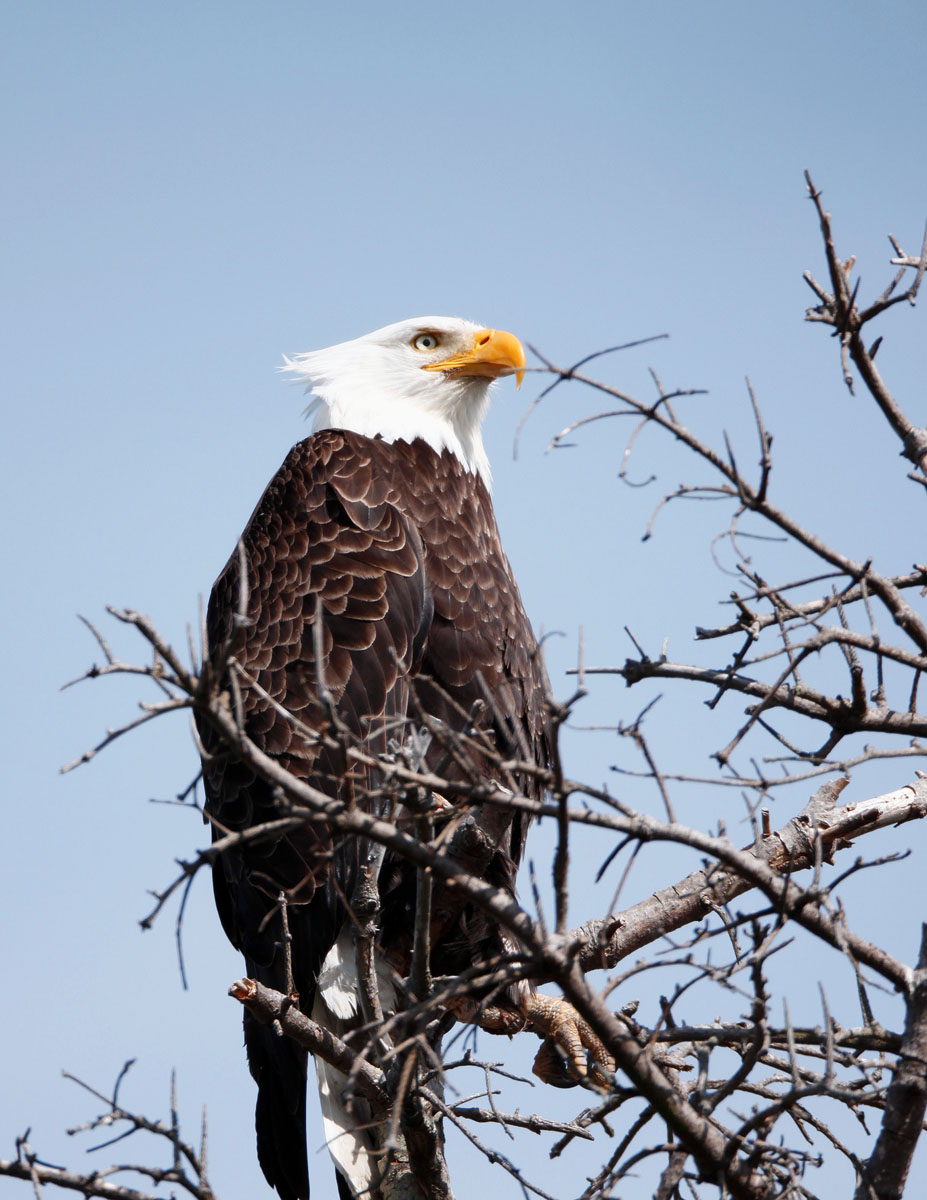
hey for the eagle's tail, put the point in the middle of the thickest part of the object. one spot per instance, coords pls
(349, 1135)
(352, 1137)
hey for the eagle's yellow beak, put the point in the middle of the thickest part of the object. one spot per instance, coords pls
(493, 353)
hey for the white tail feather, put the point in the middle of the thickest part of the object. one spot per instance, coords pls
(349, 1135)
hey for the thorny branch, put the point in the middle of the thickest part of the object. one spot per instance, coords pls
(779, 628)
(740, 1105)
(820, 831)
(187, 1170)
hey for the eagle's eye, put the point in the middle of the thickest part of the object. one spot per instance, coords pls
(425, 342)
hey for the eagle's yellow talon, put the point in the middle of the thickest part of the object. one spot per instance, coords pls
(566, 1036)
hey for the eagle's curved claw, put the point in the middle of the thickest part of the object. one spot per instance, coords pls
(566, 1036)
(571, 1052)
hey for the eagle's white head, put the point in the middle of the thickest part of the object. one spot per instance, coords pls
(427, 377)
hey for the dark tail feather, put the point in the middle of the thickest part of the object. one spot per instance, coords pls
(344, 1192)
(279, 1069)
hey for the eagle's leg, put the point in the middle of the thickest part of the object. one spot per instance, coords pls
(571, 1052)
(566, 1036)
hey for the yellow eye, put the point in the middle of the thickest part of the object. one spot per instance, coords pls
(426, 342)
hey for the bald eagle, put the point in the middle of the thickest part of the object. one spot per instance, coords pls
(370, 587)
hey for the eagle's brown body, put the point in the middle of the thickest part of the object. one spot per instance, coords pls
(394, 548)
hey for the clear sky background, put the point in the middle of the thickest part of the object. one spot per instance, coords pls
(192, 189)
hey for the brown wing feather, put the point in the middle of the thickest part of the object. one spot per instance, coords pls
(399, 547)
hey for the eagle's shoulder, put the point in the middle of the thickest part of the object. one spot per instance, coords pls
(328, 540)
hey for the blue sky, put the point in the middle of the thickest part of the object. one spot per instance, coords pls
(192, 190)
